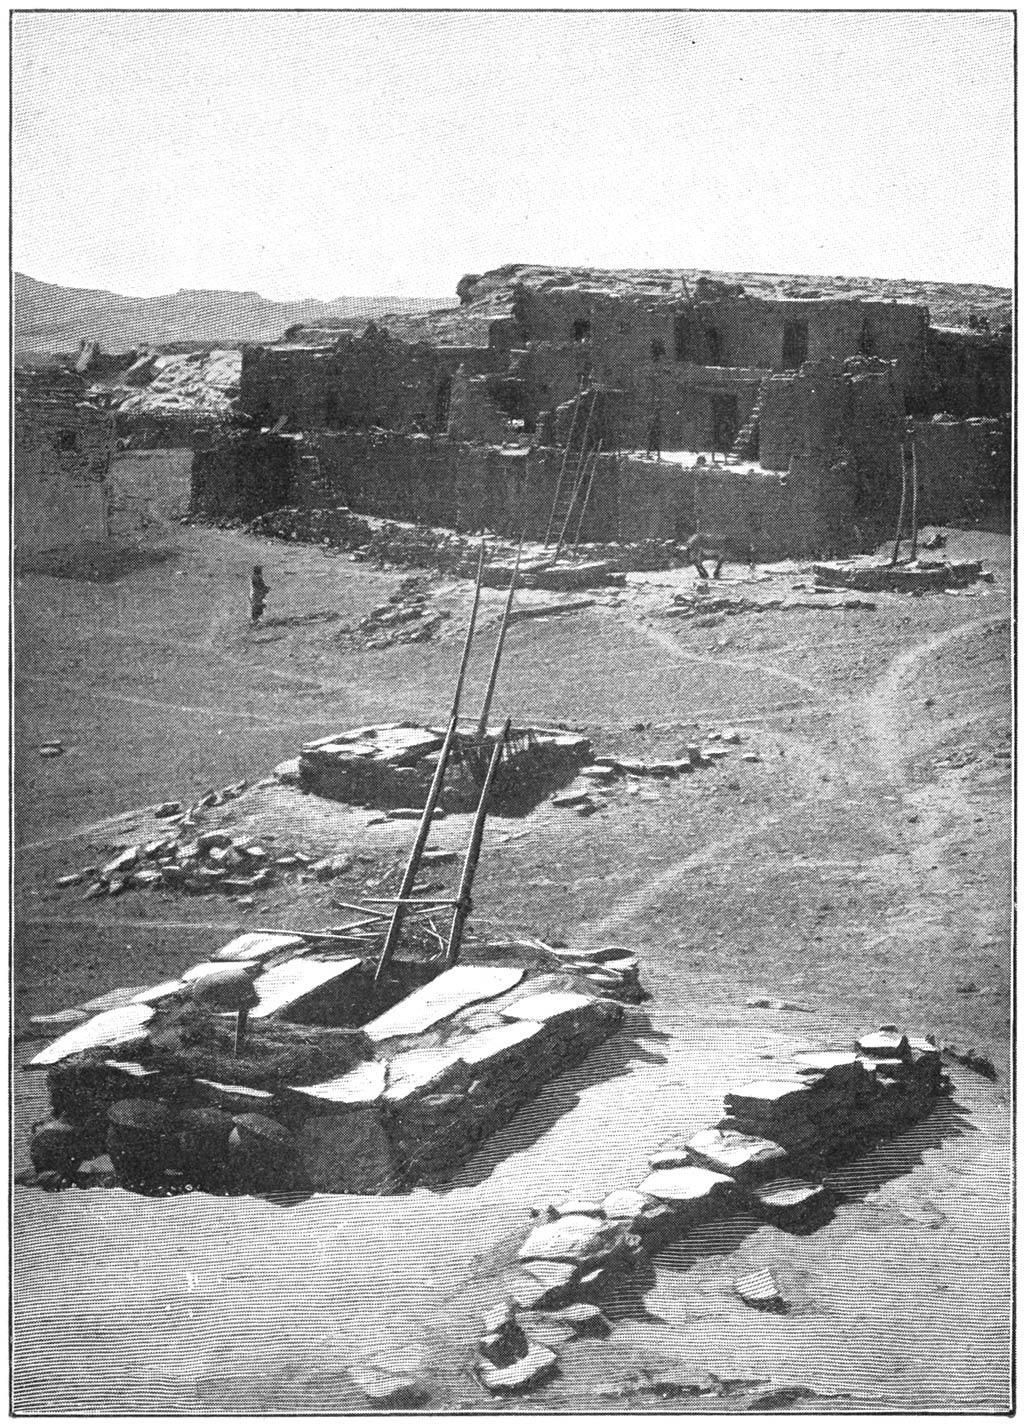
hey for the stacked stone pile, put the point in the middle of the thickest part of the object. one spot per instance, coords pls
(373, 1091)
(921, 577)
(762, 1158)
(393, 765)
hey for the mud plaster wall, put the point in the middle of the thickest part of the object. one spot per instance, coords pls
(656, 500)
(242, 477)
(63, 452)
(808, 513)
(439, 482)
(368, 381)
(972, 374)
(814, 415)
(962, 467)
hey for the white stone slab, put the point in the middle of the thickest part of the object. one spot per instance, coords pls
(257, 946)
(362, 1085)
(548, 1005)
(417, 1068)
(206, 967)
(487, 1043)
(684, 1185)
(158, 992)
(113, 1027)
(448, 993)
(284, 985)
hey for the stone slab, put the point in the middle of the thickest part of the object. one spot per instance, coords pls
(448, 993)
(417, 1069)
(548, 1005)
(488, 1043)
(574, 1239)
(741, 1156)
(284, 986)
(257, 946)
(688, 1185)
(362, 1085)
(121, 1026)
(539, 1363)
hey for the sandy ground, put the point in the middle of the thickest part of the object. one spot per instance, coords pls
(859, 869)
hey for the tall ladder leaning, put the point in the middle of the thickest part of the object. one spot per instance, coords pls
(563, 467)
(414, 861)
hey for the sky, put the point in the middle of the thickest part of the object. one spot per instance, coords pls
(322, 155)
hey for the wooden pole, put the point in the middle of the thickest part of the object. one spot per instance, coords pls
(913, 503)
(483, 721)
(563, 465)
(574, 496)
(903, 509)
(462, 909)
(425, 826)
(588, 492)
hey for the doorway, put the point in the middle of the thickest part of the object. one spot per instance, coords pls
(724, 420)
(794, 345)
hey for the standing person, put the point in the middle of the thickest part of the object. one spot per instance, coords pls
(258, 589)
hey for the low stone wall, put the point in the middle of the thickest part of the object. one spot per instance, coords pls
(765, 1159)
(242, 476)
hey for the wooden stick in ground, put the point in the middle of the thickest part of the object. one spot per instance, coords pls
(462, 909)
(903, 509)
(913, 503)
(425, 826)
(483, 721)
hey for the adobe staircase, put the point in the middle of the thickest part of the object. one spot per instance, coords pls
(747, 442)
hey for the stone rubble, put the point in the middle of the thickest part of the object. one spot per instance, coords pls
(761, 1159)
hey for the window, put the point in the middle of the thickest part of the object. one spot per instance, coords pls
(66, 441)
(657, 349)
(712, 346)
(683, 337)
(868, 344)
(580, 330)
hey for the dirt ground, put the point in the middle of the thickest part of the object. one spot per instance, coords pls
(858, 868)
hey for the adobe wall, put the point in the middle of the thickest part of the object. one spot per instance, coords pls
(972, 374)
(62, 457)
(656, 500)
(372, 380)
(963, 468)
(392, 476)
(809, 512)
(242, 476)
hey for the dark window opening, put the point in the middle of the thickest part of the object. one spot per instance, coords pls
(331, 409)
(442, 404)
(712, 346)
(794, 345)
(724, 418)
(683, 337)
(868, 343)
(66, 440)
(657, 349)
(580, 330)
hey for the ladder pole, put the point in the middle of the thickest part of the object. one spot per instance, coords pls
(579, 476)
(414, 860)
(588, 492)
(462, 906)
(563, 465)
(491, 689)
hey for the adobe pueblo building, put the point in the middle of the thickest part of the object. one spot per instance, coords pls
(588, 406)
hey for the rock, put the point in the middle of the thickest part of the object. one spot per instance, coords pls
(538, 1364)
(599, 772)
(570, 799)
(759, 1289)
(121, 863)
(147, 877)
(50, 750)
(759, 1002)
(554, 1277)
(788, 1201)
(731, 735)
(548, 1330)
(60, 1021)
(627, 1203)
(167, 809)
(57, 1146)
(72, 879)
(690, 1187)
(673, 1159)
(586, 1318)
(388, 1389)
(575, 1239)
(769, 1099)
(885, 1044)
(527, 1292)
(743, 1157)
(504, 1342)
(751, 757)
(580, 1206)
(347, 1153)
